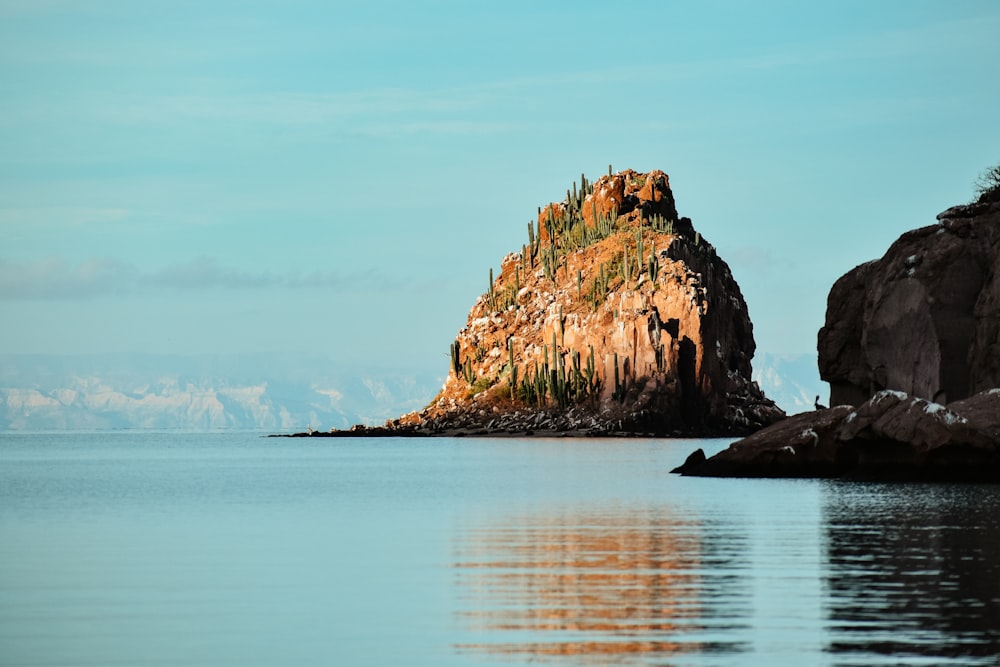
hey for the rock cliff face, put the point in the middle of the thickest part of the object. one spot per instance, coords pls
(904, 335)
(924, 319)
(891, 436)
(616, 316)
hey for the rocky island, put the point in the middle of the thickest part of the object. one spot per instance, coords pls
(616, 317)
(911, 349)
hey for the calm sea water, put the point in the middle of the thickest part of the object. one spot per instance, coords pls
(233, 549)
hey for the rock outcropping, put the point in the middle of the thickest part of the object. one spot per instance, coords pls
(890, 436)
(911, 349)
(924, 319)
(616, 317)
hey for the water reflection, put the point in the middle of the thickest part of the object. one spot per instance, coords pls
(596, 584)
(913, 571)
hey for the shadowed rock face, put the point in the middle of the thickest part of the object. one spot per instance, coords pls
(890, 436)
(923, 319)
(615, 317)
(904, 335)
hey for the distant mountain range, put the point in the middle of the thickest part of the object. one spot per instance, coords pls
(201, 393)
(275, 393)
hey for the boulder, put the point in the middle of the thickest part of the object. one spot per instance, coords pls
(911, 349)
(925, 318)
(890, 436)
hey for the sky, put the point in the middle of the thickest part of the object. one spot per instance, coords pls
(337, 179)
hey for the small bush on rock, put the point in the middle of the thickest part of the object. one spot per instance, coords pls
(988, 184)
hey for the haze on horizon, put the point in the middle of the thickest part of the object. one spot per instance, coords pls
(336, 179)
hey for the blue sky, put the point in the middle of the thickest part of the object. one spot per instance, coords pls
(338, 178)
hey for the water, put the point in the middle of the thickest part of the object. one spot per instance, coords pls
(232, 549)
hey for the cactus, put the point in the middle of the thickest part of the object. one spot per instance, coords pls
(513, 367)
(661, 225)
(557, 386)
(553, 260)
(593, 380)
(603, 225)
(638, 248)
(492, 297)
(653, 266)
(456, 362)
(547, 267)
(619, 392)
(620, 386)
(556, 379)
(625, 265)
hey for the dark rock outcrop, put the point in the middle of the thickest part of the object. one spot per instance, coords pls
(615, 318)
(890, 436)
(905, 336)
(923, 319)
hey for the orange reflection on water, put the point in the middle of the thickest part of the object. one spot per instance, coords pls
(583, 585)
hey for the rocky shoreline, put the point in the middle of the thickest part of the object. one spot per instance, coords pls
(576, 422)
(892, 436)
(911, 349)
(616, 318)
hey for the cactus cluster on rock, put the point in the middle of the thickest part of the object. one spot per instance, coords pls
(616, 316)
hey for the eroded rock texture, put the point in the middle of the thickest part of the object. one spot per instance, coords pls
(925, 318)
(890, 436)
(904, 335)
(615, 317)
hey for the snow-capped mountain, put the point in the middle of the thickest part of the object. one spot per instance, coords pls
(267, 393)
(790, 380)
(49, 392)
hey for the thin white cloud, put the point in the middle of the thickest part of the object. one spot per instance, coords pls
(56, 278)
(62, 217)
(471, 109)
(291, 108)
(758, 261)
(206, 273)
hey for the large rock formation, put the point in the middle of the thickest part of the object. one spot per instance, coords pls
(890, 436)
(615, 317)
(904, 335)
(924, 319)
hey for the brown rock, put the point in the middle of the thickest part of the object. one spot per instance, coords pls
(890, 436)
(924, 319)
(981, 410)
(904, 335)
(803, 445)
(569, 339)
(608, 199)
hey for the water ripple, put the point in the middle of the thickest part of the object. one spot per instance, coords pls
(595, 585)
